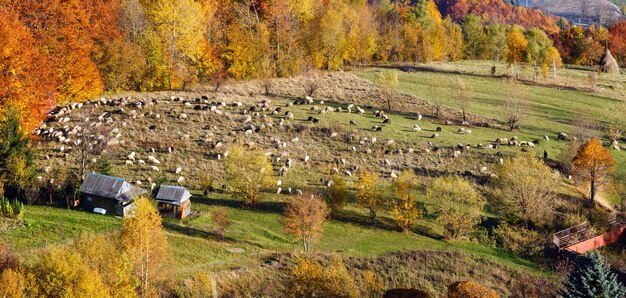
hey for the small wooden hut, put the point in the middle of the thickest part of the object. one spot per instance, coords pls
(111, 195)
(174, 201)
(608, 64)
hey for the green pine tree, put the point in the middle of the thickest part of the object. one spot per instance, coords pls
(14, 140)
(593, 278)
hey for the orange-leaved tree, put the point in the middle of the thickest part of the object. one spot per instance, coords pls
(304, 218)
(24, 72)
(593, 164)
(61, 29)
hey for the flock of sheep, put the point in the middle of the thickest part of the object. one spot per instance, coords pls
(273, 126)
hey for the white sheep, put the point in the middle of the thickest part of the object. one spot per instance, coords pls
(180, 179)
(179, 170)
(416, 127)
(154, 168)
(129, 162)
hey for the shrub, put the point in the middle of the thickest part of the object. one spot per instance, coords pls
(470, 289)
(221, 222)
(338, 194)
(310, 279)
(14, 209)
(11, 284)
(457, 205)
(519, 240)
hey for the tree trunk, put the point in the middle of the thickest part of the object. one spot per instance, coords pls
(593, 190)
(554, 70)
(373, 215)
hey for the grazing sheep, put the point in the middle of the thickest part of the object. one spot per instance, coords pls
(419, 117)
(179, 170)
(129, 162)
(154, 168)
(334, 134)
(438, 129)
(353, 122)
(416, 127)
(141, 162)
(180, 179)
(279, 182)
(547, 138)
(531, 144)
(348, 173)
(435, 135)
(306, 158)
(562, 136)
(387, 121)
(299, 192)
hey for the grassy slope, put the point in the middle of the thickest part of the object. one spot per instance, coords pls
(258, 231)
(552, 110)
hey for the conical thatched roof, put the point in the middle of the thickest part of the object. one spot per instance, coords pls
(608, 63)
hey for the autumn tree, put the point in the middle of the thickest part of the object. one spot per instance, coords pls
(308, 278)
(537, 48)
(526, 189)
(516, 48)
(593, 164)
(463, 98)
(221, 222)
(456, 204)
(25, 85)
(58, 272)
(368, 194)
(337, 196)
(304, 218)
(116, 273)
(61, 30)
(247, 172)
(144, 242)
(516, 106)
(388, 80)
(175, 39)
(404, 209)
(551, 59)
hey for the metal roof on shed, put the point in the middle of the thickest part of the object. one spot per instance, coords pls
(172, 194)
(110, 187)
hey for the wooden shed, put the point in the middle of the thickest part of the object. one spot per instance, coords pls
(173, 201)
(112, 194)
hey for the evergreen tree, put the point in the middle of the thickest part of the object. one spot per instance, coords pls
(16, 168)
(593, 278)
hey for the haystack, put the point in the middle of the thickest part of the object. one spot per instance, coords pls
(608, 63)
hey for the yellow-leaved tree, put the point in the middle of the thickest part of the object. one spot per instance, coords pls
(59, 272)
(116, 273)
(516, 45)
(177, 32)
(368, 194)
(144, 241)
(404, 209)
(247, 171)
(308, 278)
(552, 59)
(526, 188)
(593, 164)
(456, 204)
